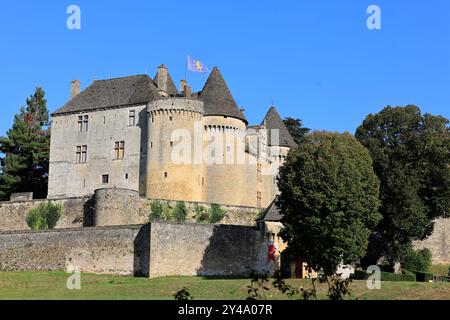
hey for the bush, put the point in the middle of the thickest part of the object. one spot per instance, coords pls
(386, 276)
(179, 213)
(156, 210)
(201, 214)
(216, 213)
(423, 276)
(43, 217)
(419, 260)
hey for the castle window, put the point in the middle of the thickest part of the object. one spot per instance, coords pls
(151, 144)
(86, 122)
(126, 176)
(170, 118)
(81, 154)
(258, 172)
(165, 174)
(105, 179)
(258, 199)
(171, 143)
(119, 150)
(132, 118)
(153, 119)
(80, 123)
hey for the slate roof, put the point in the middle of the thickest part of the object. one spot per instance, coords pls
(111, 93)
(171, 87)
(217, 97)
(272, 213)
(273, 120)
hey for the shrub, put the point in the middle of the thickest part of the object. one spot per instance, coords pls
(179, 213)
(419, 260)
(423, 276)
(216, 213)
(156, 210)
(43, 217)
(201, 214)
(386, 276)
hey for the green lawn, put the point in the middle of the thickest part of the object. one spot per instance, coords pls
(52, 285)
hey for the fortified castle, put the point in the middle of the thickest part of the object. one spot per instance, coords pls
(122, 144)
(142, 134)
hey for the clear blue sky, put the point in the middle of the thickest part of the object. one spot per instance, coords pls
(314, 59)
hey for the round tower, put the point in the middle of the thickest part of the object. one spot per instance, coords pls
(174, 171)
(226, 169)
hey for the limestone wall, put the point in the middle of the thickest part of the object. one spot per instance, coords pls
(67, 178)
(112, 250)
(159, 249)
(208, 250)
(438, 242)
(74, 213)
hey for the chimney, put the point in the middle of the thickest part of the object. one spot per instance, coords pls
(162, 80)
(74, 88)
(183, 85)
(187, 91)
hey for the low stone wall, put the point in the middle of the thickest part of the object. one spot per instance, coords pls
(235, 215)
(207, 250)
(113, 250)
(75, 213)
(438, 242)
(156, 250)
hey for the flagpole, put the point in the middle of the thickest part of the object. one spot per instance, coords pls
(186, 70)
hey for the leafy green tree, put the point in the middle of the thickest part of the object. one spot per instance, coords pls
(296, 129)
(156, 210)
(411, 157)
(25, 150)
(216, 213)
(43, 217)
(416, 260)
(329, 197)
(180, 211)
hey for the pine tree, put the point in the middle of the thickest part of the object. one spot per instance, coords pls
(25, 150)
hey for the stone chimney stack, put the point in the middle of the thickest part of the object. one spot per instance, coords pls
(75, 86)
(187, 91)
(183, 85)
(162, 80)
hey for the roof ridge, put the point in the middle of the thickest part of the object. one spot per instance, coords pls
(124, 77)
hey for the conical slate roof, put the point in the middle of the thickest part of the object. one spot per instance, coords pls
(171, 87)
(217, 97)
(273, 121)
(112, 93)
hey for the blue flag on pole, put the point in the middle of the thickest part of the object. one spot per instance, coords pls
(195, 65)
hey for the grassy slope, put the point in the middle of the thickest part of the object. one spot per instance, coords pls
(52, 285)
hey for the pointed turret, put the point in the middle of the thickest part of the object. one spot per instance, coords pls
(272, 121)
(217, 98)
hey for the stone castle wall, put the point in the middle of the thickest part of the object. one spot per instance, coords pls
(75, 213)
(157, 249)
(111, 250)
(110, 207)
(206, 250)
(67, 178)
(438, 242)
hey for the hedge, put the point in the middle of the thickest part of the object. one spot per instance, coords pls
(423, 276)
(386, 276)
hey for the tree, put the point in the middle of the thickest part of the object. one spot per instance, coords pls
(25, 150)
(296, 129)
(411, 158)
(329, 198)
